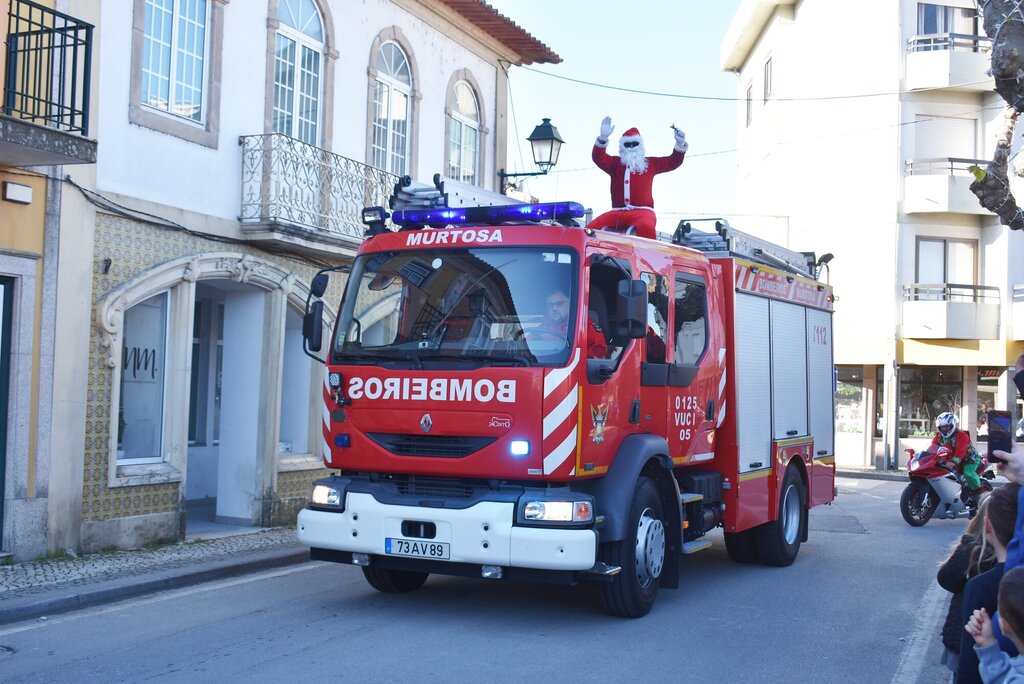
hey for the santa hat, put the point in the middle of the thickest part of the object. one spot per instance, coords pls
(632, 135)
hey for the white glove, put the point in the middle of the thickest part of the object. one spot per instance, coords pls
(681, 143)
(606, 130)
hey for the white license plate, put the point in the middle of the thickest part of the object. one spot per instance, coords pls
(418, 548)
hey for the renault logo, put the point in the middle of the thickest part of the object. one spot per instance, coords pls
(426, 423)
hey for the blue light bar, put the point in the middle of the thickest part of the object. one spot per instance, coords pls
(448, 216)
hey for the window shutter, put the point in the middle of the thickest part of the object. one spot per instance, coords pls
(941, 137)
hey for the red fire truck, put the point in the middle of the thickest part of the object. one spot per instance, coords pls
(511, 395)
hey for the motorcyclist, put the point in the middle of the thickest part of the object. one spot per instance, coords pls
(962, 454)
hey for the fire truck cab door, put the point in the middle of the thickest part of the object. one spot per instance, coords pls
(610, 380)
(694, 387)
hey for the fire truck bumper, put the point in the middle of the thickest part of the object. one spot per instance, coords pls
(480, 534)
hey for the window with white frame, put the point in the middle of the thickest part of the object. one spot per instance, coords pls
(750, 103)
(946, 261)
(391, 97)
(464, 135)
(174, 57)
(935, 19)
(298, 70)
(143, 373)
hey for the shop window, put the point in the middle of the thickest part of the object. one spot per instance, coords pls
(849, 399)
(925, 392)
(879, 401)
(143, 370)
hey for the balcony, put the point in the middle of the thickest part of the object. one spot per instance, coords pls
(933, 186)
(1017, 312)
(44, 118)
(946, 311)
(949, 60)
(304, 197)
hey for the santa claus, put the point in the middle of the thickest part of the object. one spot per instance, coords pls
(632, 174)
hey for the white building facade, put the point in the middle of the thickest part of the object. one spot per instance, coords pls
(240, 140)
(858, 129)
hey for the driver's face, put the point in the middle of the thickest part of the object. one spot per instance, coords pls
(558, 307)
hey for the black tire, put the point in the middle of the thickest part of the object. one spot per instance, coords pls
(918, 503)
(394, 581)
(742, 546)
(779, 541)
(641, 555)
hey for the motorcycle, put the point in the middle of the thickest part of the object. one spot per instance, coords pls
(937, 488)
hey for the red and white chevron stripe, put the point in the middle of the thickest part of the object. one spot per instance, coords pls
(561, 419)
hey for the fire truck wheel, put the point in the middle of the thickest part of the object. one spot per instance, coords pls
(742, 546)
(394, 581)
(779, 541)
(641, 555)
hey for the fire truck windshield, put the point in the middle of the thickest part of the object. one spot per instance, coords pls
(460, 308)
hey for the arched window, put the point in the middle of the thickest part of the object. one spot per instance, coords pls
(391, 95)
(298, 69)
(464, 135)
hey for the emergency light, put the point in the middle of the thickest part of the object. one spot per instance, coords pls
(450, 216)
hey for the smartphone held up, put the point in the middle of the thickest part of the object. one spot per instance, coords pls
(1000, 436)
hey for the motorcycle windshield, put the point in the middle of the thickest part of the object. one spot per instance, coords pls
(459, 308)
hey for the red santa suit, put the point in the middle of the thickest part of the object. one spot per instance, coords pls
(632, 199)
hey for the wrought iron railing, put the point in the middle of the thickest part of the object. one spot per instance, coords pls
(962, 42)
(48, 69)
(950, 292)
(951, 166)
(287, 181)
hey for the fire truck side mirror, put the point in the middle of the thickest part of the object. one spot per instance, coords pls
(313, 326)
(631, 309)
(319, 285)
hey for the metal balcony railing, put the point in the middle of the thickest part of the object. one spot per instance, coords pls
(287, 181)
(47, 71)
(951, 166)
(963, 42)
(950, 292)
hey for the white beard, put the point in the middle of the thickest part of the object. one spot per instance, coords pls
(634, 158)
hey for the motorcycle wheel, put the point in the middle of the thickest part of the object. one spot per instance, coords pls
(918, 502)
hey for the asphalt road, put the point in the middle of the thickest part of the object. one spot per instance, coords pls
(860, 604)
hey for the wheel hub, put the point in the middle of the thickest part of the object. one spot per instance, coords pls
(650, 548)
(791, 515)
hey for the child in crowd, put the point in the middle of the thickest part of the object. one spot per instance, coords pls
(982, 592)
(971, 556)
(995, 665)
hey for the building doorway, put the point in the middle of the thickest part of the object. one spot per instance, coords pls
(6, 300)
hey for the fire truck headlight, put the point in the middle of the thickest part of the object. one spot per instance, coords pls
(519, 447)
(334, 380)
(323, 495)
(559, 511)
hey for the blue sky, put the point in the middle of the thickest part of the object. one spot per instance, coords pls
(664, 46)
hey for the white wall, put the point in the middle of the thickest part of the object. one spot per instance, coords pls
(208, 181)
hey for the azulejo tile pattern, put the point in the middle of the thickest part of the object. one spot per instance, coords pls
(132, 248)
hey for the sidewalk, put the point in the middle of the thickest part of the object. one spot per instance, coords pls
(56, 585)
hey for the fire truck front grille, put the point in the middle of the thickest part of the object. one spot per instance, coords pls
(435, 486)
(440, 446)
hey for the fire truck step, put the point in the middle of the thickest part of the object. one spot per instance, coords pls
(603, 570)
(695, 546)
(690, 497)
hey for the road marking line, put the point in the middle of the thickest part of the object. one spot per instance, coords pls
(167, 595)
(912, 661)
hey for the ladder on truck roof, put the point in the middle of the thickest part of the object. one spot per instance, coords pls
(727, 241)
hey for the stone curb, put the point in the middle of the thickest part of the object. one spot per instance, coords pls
(895, 475)
(62, 600)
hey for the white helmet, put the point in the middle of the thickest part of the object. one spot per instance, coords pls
(946, 423)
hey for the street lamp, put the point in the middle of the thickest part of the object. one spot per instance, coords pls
(546, 144)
